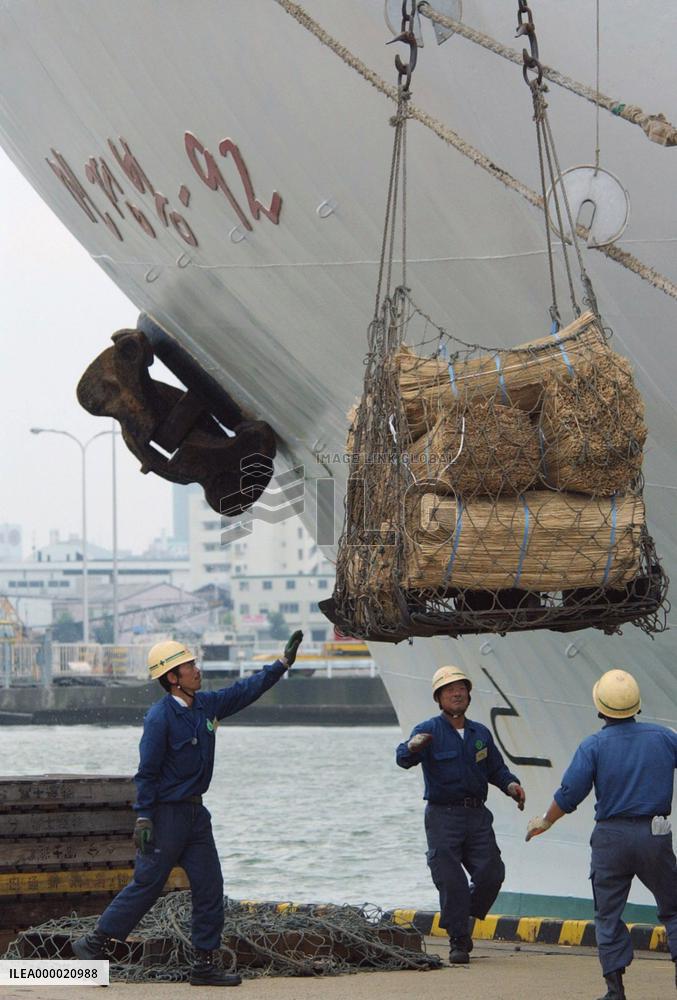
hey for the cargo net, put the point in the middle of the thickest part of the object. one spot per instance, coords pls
(494, 490)
(257, 940)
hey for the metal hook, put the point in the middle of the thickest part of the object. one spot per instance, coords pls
(528, 28)
(406, 35)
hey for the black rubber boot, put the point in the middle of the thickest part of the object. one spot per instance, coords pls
(204, 973)
(92, 947)
(614, 982)
(459, 950)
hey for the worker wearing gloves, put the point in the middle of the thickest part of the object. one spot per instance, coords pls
(459, 760)
(172, 826)
(631, 765)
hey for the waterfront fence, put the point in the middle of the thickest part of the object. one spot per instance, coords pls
(37, 663)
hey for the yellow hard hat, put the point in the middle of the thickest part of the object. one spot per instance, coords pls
(166, 656)
(616, 694)
(447, 675)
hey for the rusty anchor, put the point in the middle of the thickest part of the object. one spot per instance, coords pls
(179, 433)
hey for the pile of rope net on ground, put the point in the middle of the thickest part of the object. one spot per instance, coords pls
(257, 940)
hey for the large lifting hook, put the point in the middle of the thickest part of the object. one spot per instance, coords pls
(408, 36)
(528, 28)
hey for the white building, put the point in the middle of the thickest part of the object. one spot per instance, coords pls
(295, 596)
(54, 577)
(272, 568)
(209, 562)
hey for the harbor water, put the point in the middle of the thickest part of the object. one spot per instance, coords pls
(307, 814)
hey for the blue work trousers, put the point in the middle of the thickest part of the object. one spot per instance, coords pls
(623, 847)
(463, 838)
(182, 835)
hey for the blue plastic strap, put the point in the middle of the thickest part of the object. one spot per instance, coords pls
(452, 379)
(554, 330)
(501, 378)
(525, 542)
(457, 538)
(612, 539)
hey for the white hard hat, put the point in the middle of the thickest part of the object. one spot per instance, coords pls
(166, 656)
(616, 695)
(447, 675)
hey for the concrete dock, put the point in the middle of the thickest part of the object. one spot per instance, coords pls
(498, 971)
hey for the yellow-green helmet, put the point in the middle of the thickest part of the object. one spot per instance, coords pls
(616, 695)
(166, 656)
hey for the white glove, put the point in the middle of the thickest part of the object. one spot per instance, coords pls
(418, 742)
(539, 824)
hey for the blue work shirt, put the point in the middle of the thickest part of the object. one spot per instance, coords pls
(631, 765)
(456, 767)
(177, 746)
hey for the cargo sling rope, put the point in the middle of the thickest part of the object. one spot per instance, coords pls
(257, 939)
(492, 489)
(623, 257)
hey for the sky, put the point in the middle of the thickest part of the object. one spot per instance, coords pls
(58, 311)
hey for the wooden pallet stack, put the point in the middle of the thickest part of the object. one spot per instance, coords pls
(65, 847)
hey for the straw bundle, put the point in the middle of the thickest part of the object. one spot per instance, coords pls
(544, 541)
(369, 578)
(592, 428)
(430, 385)
(478, 447)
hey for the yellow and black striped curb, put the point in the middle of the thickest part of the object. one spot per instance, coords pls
(534, 930)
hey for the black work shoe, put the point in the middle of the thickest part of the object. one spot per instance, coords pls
(205, 973)
(92, 947)
(615, 990)
(459, 950)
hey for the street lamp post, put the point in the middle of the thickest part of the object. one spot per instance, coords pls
(83, 446)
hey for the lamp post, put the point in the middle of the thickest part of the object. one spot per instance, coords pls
(83, 446)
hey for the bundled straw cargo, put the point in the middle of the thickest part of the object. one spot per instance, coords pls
(481, 447)
(544, 541)
(592, 428)
(429, 386)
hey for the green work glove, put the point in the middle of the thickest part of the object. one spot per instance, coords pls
(291, 649)
(143, 835)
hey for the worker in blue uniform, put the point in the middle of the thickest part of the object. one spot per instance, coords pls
(173, 827)
(459, 760)
(631, 766)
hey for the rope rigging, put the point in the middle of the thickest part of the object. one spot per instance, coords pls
(449, 136)
(655, 127)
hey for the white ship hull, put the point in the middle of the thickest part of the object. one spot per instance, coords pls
(280, 316)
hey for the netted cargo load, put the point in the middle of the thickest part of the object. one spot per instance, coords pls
(462, 529)
(592, 428)
(492, 488)
(479, 447)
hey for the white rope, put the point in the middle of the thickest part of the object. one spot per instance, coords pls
(656, 127)
(621, 257)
